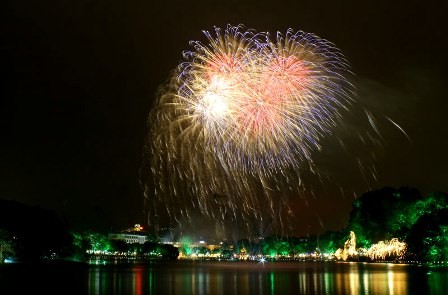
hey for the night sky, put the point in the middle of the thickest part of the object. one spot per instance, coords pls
(79, 78)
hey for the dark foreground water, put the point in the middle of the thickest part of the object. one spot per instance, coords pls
(198, 277)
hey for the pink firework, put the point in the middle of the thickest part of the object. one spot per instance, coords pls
(239, 112)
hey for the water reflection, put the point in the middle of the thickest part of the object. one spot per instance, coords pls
(270, 278)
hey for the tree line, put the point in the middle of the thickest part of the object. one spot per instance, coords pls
(32, 233)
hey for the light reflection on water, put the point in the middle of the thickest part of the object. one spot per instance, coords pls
(268, 278)
(182, 278)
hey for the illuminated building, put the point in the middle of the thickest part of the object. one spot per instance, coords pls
(131, 236)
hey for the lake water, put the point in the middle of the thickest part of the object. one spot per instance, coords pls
(202, 277)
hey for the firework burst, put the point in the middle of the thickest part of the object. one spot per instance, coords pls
(239, 114)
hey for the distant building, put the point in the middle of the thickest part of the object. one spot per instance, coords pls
(131, 236)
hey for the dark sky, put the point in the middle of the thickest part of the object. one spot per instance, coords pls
(79, 77)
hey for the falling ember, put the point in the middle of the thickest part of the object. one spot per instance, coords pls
(238, 114)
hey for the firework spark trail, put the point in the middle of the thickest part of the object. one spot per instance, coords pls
(240, 119)
(399, 128)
